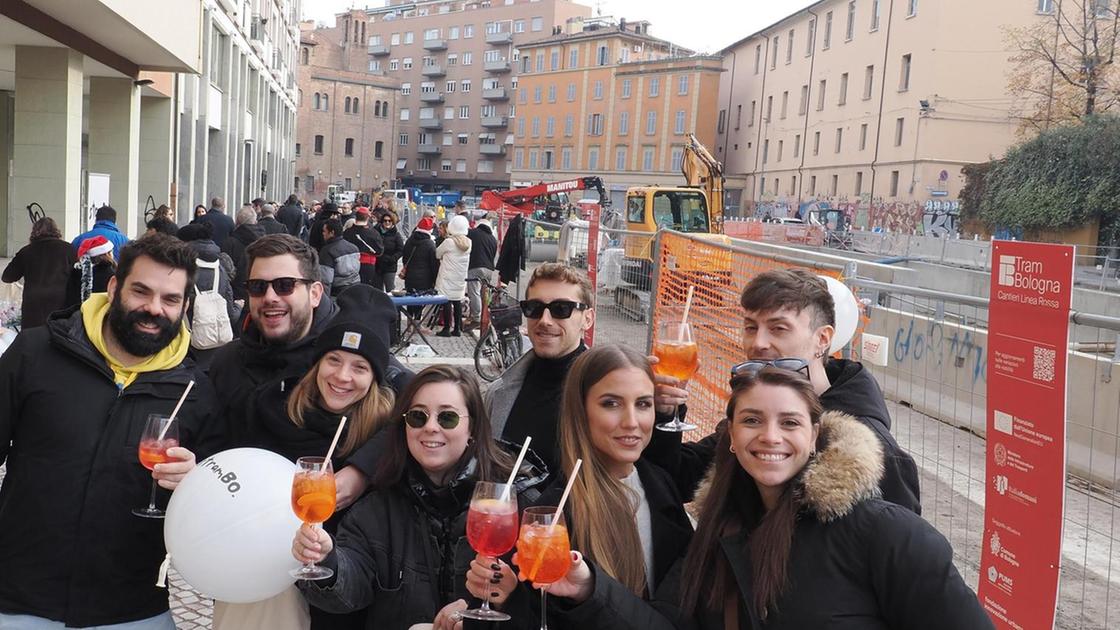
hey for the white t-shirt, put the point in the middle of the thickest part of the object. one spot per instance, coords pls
(641, 515)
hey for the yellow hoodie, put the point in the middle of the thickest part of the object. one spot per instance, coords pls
(94, 312)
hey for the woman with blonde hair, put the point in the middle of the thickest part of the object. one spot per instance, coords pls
(298, 416)
(624, 514)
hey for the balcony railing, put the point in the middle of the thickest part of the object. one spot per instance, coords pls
(499, 39)
(431, 123)
(433, 71)
(378, 50)
(431, 97)
(492, 149)
(435, 44)
(495, 121)
(430, 149)
(498, 66)
(495, 94)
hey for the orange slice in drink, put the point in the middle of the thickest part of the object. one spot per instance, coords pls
(315, 507)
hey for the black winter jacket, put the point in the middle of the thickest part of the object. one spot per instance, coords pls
(365, 237)
(235, 246)
(511, 262)
(484, 247)
(293, 219)
(420, 262)
(402, 552)
(854, 392)
(221, 222)
(856, 562)
(100, 284)
(339, 265)
(71, 550)
(392, 248)
(272, 226)
(44, 266)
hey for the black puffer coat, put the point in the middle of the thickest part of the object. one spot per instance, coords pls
(403, 552)
(421, 265)
(234, 246)
(71, 550)
(392, 249)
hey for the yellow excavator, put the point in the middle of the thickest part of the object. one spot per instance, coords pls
(695, 208)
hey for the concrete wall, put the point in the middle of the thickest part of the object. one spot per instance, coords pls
(940, 370)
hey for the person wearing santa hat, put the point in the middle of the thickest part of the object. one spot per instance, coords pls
(92, 271)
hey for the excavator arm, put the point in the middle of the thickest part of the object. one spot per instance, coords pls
(703, 171)
(524, 200)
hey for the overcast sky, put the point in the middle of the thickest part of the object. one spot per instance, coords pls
(702, 25)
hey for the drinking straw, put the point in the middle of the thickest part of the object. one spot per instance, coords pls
(564, 497)
(182, 399)
(684, 318)
(516, 467)
(559, 511)
(334, 442)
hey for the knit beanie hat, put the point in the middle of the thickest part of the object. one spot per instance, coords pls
(352, 336)
(459, 225)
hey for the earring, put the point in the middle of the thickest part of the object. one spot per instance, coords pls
(732, 448)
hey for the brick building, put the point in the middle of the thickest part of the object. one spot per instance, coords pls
(457, 65)
(346, 114)
(608, 99)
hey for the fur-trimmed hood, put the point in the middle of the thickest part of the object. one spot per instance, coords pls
(846, 469)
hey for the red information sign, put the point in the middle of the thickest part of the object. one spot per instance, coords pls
(1028, 333)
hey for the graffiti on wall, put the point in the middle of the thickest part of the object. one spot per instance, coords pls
(931, 346)
(938, 217)
(941, 217)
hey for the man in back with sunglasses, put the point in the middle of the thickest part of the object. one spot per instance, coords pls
(525, 401)
(288, 309)
(788, 321)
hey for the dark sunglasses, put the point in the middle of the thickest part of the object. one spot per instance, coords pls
(559, 309)
(418, 418)
(752, 367)
(282, 286)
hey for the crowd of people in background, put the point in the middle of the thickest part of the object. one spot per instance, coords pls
(807, 511)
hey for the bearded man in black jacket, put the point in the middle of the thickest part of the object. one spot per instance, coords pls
(75, 396)
(789, 313)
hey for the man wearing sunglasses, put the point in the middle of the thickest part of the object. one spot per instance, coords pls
(525, 401)
(287, 312)
(788, 321)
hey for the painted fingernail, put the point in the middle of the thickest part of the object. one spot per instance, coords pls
(495, 594)
(497, 576)
(496, 567)
(495, 580)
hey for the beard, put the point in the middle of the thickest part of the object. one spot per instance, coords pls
(141, 344)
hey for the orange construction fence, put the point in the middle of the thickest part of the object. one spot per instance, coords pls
(718, 270)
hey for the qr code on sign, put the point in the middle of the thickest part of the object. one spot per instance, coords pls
(1044, 364)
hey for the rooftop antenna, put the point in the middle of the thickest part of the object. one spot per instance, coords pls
(599, 8)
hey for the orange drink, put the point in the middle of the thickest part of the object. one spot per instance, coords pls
(313, 496)
(677, 359)
(154, 451)
(544, 552)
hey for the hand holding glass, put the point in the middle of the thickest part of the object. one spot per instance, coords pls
(313, 501)
(678, 356)
(160, 434)
(491, 531)
(543, 551)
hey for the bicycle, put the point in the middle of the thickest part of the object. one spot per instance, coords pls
(499, 338)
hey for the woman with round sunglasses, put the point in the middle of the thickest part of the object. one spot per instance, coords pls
(298, 416)
(792, 534)
(401, 552)
(392, 248)
(624, 514)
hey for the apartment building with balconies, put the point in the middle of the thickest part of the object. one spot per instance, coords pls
(346, 122)
(606, 98)
(457, 66)
(868, 106)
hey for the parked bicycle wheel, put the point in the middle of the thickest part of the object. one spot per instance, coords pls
(489, 356)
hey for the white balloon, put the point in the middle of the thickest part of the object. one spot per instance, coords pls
(847, 313)
(230, 525)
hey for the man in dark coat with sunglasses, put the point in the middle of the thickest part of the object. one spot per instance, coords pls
(789, 319)
(525, 401)
(288, 309)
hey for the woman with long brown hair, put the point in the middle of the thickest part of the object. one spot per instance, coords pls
(624, 514)
(792, 534)
(44, 266)
(401, 552)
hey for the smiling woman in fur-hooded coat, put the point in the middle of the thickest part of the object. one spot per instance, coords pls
(792, 535)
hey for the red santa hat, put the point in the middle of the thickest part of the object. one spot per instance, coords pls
(426, 224)
(94, 246)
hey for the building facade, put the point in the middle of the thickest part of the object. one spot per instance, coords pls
(347, 114)
(457, 66)
(859, 105)
(236, 119)
(86, 110)
(608, 99)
